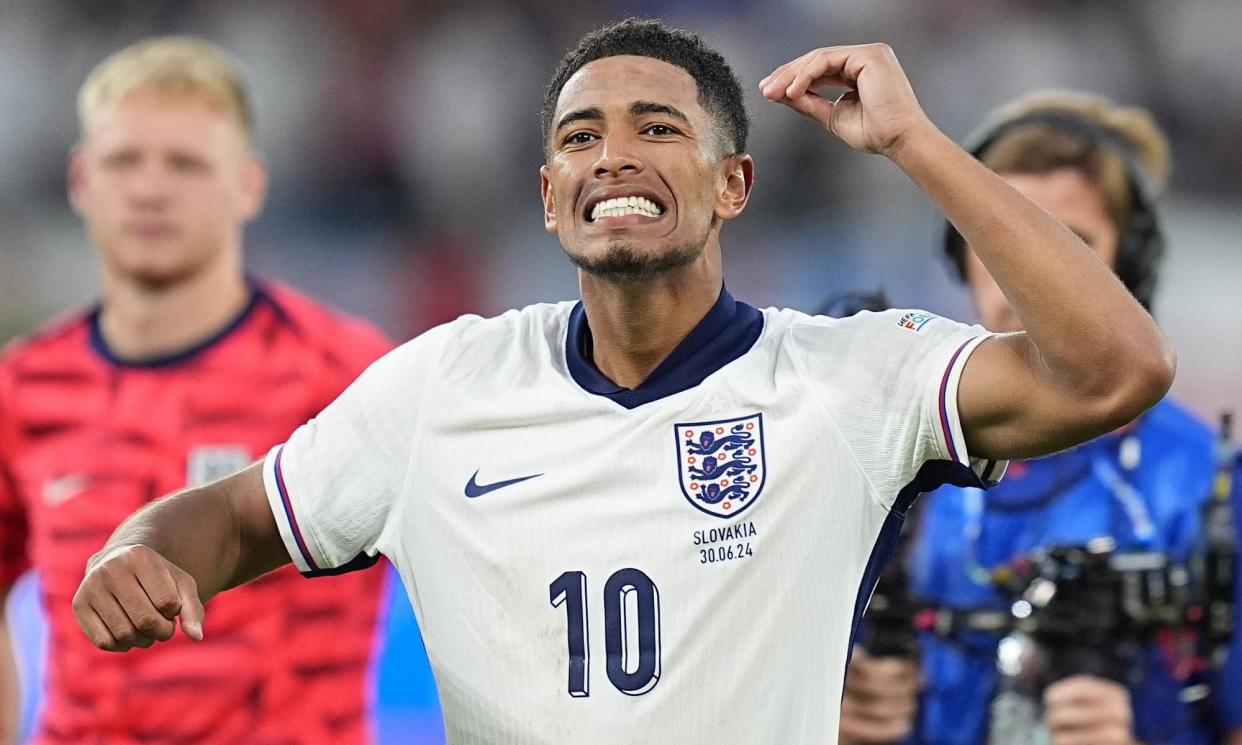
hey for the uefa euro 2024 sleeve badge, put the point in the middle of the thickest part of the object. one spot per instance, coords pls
(721, 464)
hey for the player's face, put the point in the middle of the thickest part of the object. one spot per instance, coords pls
(164, 185)
(634, 182)
(1069, 196)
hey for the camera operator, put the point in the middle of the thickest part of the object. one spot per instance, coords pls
(1096, 167)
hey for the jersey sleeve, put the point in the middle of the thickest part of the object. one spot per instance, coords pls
(14, 528)
(889, 381)
(333, 484)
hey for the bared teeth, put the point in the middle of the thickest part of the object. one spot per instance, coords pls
(621, 206)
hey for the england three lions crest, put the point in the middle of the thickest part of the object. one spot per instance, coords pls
(721, 464)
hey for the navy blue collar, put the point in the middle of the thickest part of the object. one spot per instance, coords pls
(100, 345)
(727, 332)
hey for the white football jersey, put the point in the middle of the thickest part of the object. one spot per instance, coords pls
(684, 562)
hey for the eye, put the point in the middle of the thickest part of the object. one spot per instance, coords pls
(187, 164)
(121, 160)
(659, 130)
(580, 137)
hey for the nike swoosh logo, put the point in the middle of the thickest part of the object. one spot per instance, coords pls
(59, 490)
(475, 489)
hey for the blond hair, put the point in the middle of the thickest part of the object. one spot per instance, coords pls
(170, 65)
(1043, 147)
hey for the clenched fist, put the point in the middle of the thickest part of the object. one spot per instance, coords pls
(877, 112)
(131, 597)
(1085, 710)
(881, 697)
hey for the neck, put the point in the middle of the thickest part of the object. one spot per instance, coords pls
(636, 324)
(142, 321)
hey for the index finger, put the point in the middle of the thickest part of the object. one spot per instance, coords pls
(824, 67)
(826, 62)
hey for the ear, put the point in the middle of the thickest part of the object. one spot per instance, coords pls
(253, 186)
(76, 179)
(738, 178)
(549, 201)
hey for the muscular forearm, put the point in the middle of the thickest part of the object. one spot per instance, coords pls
(1090, 359)
(208, 532)
(194, 529)
(10, 688)
(172, 555)
(1088, 333)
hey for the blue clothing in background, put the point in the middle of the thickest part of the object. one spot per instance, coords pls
(1229, 701)
(1065, 499)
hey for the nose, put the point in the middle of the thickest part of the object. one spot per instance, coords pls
(150, 186)
(617, 158)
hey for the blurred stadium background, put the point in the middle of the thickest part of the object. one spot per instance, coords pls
(403, 143)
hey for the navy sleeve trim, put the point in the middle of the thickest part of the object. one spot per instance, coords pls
(933, 474)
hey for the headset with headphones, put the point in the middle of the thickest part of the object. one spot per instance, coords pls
(1140, 246)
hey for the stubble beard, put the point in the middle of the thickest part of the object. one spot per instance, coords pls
(621, 263)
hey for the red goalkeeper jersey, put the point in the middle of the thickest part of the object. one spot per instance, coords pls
(86, 439)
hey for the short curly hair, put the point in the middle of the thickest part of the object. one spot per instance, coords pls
(719, 91)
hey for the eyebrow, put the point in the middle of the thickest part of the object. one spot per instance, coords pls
(579, 115)
(638, 108)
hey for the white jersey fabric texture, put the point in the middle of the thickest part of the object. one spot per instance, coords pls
(683, 563)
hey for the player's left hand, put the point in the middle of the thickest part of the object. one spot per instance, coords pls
(878, 111)
(1086, 710)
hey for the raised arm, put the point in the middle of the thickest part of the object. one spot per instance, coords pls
(173, 555)
(1090, 359)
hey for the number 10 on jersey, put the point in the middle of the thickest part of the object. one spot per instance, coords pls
(631, 630)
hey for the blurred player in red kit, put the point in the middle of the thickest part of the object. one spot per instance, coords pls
(184, 372)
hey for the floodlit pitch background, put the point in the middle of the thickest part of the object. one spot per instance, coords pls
(403, 143)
